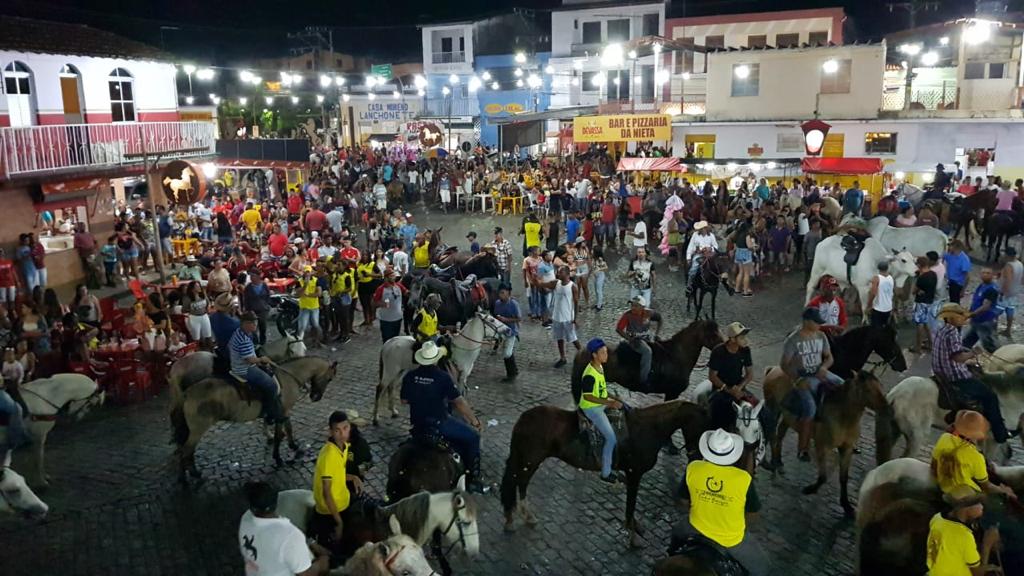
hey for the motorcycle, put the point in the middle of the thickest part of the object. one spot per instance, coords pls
(287, 313)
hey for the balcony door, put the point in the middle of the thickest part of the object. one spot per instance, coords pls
(71, 94)
(18, 88)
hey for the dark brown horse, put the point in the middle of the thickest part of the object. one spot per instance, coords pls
(674, 359)
(416, 467)
(547, 432)
(965, 211)
(837, 426)
(712, 273)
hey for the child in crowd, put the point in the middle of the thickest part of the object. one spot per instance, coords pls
(109, 253)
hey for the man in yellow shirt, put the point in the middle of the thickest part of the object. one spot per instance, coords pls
(330, 492)
(952, 550)
(720, 498)
(421, 253)
(532, 231)
(252, 219)
(956, 460)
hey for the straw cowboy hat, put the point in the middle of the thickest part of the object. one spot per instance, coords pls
(429, 354)
(224, 302)
(700, 225)
(736, 329)
(952, 309)
(971, 425)
(721, 447)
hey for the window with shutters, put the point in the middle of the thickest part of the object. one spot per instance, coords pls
(757, 41)
(818, 38)
(787, 40)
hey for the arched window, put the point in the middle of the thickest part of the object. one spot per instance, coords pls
(18, 87)
(122, 96)
(71, 94)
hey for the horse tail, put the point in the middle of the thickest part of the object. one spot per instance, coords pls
(179, 425)
(887, 430)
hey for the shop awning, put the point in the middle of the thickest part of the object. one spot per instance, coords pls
(841, 165)
(650, 164)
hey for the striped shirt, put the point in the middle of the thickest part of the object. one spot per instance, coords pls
(946, 344)
(241, 347)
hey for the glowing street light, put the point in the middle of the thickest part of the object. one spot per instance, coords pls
(445, 90)
(598, 79)
(742, 71)
(243, 100)
(474, 84)
(632, 54)
(661, 77)
(189, 100)
(245, 76)
(534, 81)
(686, 75)
(325, 80)
(346, 97)
(977, 32)
(371, 96)
(295, 99)
(830, 66)
(944, 41)
(189, 69)
(495, 85)
(286, 79)
(485, 76)
(612, 56)
(930, 58)
(339, 80)
(421, 92)
(419, 81)
(395, 94)
(319, 98)
(575, 81)
(518, 72)
(549, 69)
(205, 74)
(453, 79)
(577, 64)
(519, 83)
(910, 49)
(215, 100)
(371, 81)
(656, 48)
(269, 100)
(520, 57)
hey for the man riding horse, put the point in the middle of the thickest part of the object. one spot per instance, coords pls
(245, 366)
(635, 328)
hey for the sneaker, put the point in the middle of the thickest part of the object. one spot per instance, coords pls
(561, 362)
(610, 479)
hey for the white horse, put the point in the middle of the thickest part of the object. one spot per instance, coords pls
(828, 259)
(748, 423)
(396, 356)
(918, 240)
(15, 495)
(46, 397)
(790, 201)
(915, 410)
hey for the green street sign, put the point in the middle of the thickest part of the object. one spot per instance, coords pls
(382, 70)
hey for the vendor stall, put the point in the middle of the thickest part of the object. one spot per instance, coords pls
(846, 170)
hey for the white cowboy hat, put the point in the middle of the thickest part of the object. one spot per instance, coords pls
(721, 447)
(700, 225)
(429, 354)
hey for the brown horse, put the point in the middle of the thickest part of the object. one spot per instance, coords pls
(416, 468)
(673, 360)
(964, 212)
(837, 427)
(547, 432)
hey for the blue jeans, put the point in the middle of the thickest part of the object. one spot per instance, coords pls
(16, 433)
(803, 401)
(536, 302)
(599, 278)
(308, 317)
(984, 331)
(646, 293)
(265, 386)
(600, 420)
(463, 439)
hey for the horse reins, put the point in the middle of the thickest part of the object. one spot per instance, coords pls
(53, 417)
(458, 523)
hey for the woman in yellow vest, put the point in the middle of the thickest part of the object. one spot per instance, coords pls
(956, 460)
(421, 253)
(593, 401)
(424, 324)
(309, 303)
(368, 277)
(343, 296)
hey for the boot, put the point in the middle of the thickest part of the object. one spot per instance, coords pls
(473, 483)
(515, 367)
(510, 370)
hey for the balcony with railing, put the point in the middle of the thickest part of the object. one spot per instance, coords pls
(36, 150)
(448, 57)
(442, 107)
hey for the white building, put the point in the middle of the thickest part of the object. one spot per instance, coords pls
(448, 67)
(580, 31)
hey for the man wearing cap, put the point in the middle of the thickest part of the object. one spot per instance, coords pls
(223, 324)
(949, 358)
(635, 328)
(952, 548)
(730, 369)
(594, 399)
(702, 244)
(431, 394)
(388, 301)
(506, 310)
(309, 304)
(1010, 279)
(806, 358)
(721, 496)
(245, 365)
(830, 305)
(503, 251)
(271, 545)
(190, 270)
(474, 246)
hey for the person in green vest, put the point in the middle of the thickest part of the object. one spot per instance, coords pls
(424, 324)
(595, 399)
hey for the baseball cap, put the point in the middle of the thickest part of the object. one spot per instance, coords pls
(812, 314)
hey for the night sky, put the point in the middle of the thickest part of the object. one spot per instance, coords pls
(231, 31)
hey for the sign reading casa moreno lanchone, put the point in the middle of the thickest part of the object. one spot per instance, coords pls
(622, 128)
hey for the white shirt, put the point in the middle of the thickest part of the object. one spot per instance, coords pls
(204, 214)
(335, 219)
(400, 260)
(699, 242)
(561, 303)
(272, 547)
(414, 177)
(583, 188)
(640, 230)
(883, 299)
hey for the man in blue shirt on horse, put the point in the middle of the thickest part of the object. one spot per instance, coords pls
(431, 394)
(245, 365)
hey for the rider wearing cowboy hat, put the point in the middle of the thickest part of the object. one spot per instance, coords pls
(430, 393)
(721, 495)
(701, 244)
(730, 369)
(951, 545)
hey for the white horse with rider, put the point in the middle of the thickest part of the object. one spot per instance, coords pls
(396, 356)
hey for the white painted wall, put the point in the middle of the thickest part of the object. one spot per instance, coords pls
(432, 43)
(790, 80)
(567, 25)
(154, 85)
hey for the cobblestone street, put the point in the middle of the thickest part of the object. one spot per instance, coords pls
(116, 508)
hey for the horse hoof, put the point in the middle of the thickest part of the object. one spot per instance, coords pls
(530, 520)
(394, 413)
(635, 541)
(376, 422)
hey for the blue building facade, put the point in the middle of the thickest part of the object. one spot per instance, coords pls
(509, 99)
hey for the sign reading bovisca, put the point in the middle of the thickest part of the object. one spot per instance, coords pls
(622, 128)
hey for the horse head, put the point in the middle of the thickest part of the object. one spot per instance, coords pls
(491, 323)
(884, 343)
(17, 496)
(321, 380)
(416, 292)
(867, 391)
(747, 423)
(709, 336)
(94, 397)
(402, 556)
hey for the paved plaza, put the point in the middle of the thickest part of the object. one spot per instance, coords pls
(116, 508)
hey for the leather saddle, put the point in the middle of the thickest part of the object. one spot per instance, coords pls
(708, 553)
(431, 439)
(659, 361)
(466, 289)
(950, 398)
(853, 244)
(591, 440)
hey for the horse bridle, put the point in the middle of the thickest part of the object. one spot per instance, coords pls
(487, 327)
(884, 364)
(459, 523)
(85, 401)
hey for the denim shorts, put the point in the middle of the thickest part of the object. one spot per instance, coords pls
(744, 256)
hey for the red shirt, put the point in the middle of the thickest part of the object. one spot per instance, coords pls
(315, 220)
(39, 255)
(350, 253)
(7, 273)
(608, 213)
(588, 230)
(294, 203)
(277, 243)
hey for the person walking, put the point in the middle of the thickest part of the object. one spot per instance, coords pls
(599, 272)
(506, 310)
(331, 495)
(1010, 279)
(503, 252)
(880, 296)
(593, 402)
(257, 300)
(925, 304)
(564, 302)
(388, 301)
(958, 266)
(641, 275)
(984, 313)
(309, 304)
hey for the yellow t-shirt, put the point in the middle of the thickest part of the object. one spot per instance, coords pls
(252, 219)
(532, 230)
(951, 548)
(599, 390)
(330, 463)
(718, 499)
(365, 272)
(308, 300)
(421, 255)
(958, 462)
